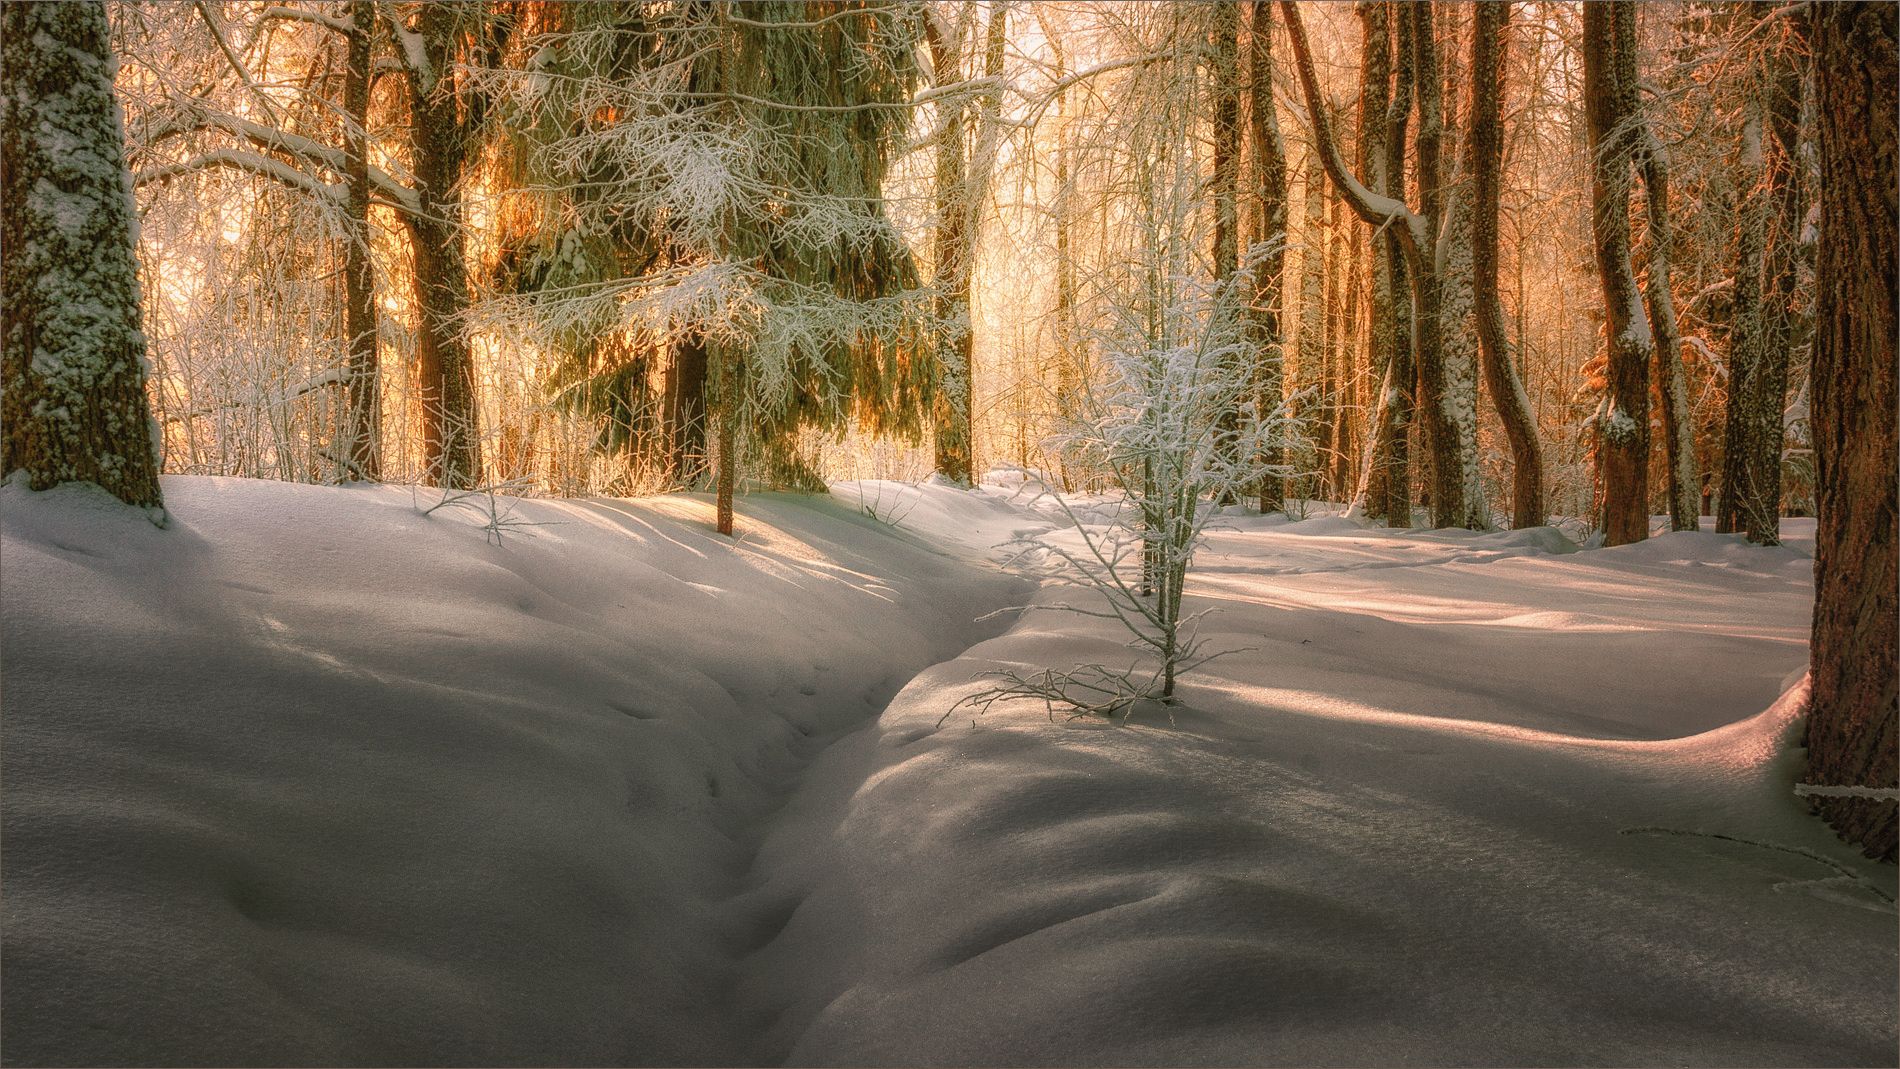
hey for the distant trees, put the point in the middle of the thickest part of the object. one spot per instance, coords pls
(1854, 714)
(72, 355)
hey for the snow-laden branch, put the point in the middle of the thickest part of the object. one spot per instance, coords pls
(331, 195)
(298, 14)
(1376, 209)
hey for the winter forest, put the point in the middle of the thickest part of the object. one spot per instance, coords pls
(949, 532)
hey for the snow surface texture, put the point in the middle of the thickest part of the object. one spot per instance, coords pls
(310, 778)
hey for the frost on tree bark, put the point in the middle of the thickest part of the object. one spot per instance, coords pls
(1485, 147)
(1269, 161)
(1388, 487)
(1852, 715)
(1609, 87)
(358, 451)
(72, 354)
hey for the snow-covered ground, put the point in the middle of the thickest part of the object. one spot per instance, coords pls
(312, 778)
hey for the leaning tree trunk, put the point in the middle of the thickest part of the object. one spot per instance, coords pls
(451, 431)
(1269, 156)
(1485, 148)
(1851, 733)
(1609, 86)
(358, 451)
(72, 355)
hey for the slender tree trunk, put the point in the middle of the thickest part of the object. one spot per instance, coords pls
(1623, 432)
(1745, 321)
(951, 409)
(1069, 371)
(962, 185)
(1766, 397)
(1678, 423)
(1389, 493)
(1853, 711)
(72, 354)
(1269, 155)
(1310, 351)
(451, 426)
(360, 451)
(731, 394)
(1484, 145)
(1224, 87)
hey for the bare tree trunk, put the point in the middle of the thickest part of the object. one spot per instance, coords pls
(1269, 155)
(685, 387)
(951, 431)
(1853, 710)
(451, 426)
(1485, 148)
(962, 185)
(72, 354)
(360, 451)
(1766, 397)
(1224, 85)
(731, 398)
(1389, 492)
(1609, 31)
(1678, 423)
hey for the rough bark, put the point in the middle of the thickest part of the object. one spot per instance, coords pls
(1484, 144)
(1269, 156)
(360, 449)
(1224, 88)
(1853, 710)
(72, 354)
(1609, 77)
(451, 430)
(951, 409)
(1389, 486)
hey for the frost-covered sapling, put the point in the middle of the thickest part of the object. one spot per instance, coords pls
(1180, 431)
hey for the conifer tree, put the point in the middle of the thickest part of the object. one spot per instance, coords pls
(73, 364)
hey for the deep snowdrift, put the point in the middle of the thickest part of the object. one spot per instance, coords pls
(312, 778)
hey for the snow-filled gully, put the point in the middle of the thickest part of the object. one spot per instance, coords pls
(624, 792)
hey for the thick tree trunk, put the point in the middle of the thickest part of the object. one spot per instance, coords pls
(1453, 440)
(1609, 78)
(685, 387)
(451, 426)
(1853, 710)
(1269, 155)
(72, 354)
(1745, 323)
(359, 450)
(1485, 147)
